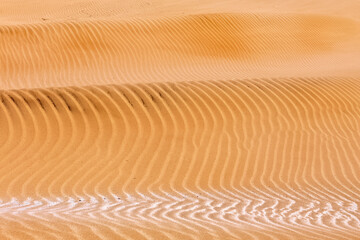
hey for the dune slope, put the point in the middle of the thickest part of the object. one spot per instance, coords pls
(193, 47)
(278, 156)
(175, 120)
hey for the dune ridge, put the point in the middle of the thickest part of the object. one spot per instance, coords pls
(278, 156)
(158, 119)
(227, 46)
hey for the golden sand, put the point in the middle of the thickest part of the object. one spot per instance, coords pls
(179, 120)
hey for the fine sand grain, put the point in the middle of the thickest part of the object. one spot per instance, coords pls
(179, 119)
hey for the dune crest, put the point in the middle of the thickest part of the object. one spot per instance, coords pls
(258, 153)
(194, 47)
(175, 120)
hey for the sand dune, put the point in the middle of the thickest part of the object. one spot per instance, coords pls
(176, 120)
(229, 46)
(178, 160)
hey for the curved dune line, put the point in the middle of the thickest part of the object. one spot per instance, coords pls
(54, 105)
(214, 166)
(84, 159)
(165, 111)
(281, 120)
(287, 95)
(215, 100)
(256, 116)
(175, 94)
(339, 135)
(307, 113)
(10, 165)
(130, 132)
(253, 158)
(109, 129)
(262, 182)
(199, 171)
(349, 147)
(31, 123)
(318, 127)
(227, 45)
(75, 129)
(291, 118)
(154, 121)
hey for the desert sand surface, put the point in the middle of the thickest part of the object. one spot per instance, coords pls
(179, 119)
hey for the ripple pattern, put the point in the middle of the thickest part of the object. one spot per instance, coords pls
(201, 47)
(259, 158)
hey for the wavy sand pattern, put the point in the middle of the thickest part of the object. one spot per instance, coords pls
(176, 120)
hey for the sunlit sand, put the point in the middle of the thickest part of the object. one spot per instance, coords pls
(179, 120)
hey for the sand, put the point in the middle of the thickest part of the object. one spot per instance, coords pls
(179, 119)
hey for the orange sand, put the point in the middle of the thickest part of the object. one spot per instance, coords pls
(179, 120)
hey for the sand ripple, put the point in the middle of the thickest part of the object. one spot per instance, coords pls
(256, 158)
(188, 48)
(175, 120)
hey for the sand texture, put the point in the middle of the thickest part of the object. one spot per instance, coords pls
(179, 119)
